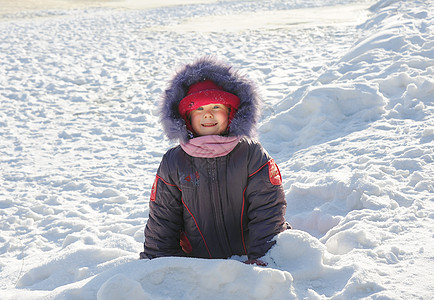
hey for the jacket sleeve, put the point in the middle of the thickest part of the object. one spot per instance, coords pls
(266, 208)
(162, 232)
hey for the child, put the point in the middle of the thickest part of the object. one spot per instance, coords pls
(218, 193)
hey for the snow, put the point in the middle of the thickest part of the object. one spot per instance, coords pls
(348, 95)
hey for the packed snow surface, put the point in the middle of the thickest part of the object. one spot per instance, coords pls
(347, 115)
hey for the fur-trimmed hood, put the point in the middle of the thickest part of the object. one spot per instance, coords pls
(222, 74)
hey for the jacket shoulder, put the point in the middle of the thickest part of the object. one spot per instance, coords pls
(174, 152)
(257, 156)
(169, 164)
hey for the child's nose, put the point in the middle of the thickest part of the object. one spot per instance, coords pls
(208, 114)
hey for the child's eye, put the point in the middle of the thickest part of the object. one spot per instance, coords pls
(200, 108)
(216, 106)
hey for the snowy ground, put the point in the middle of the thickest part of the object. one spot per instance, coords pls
(12, 6)
(348, 115)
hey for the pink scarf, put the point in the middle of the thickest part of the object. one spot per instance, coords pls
(210, 146)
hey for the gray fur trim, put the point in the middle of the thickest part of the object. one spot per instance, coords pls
(244, 121)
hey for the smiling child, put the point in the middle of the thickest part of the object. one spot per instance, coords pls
(218, 193)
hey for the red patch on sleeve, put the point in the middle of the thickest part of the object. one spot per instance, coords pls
(154, 189)
(274, 173)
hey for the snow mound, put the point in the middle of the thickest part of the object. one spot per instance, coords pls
(184, 278)
(323, 113)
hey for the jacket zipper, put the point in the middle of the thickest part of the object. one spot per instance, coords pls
(215, 202)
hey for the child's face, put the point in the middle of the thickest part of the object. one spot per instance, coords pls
(210, 119)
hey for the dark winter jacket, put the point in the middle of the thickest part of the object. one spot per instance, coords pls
(220, 206)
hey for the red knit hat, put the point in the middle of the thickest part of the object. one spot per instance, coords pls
(204, 93)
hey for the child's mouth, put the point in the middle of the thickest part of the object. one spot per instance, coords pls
(209, 124)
